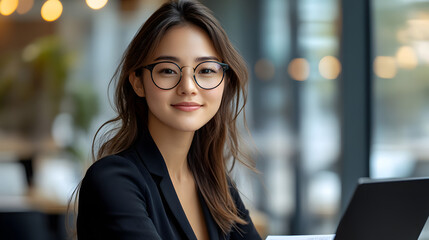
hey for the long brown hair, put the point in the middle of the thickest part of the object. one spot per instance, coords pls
(216, 142)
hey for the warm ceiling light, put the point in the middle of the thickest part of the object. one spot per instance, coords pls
(264, 69)
(406, 57)
(385, 67)
(96, 4)
(329, 67)
(299, 69)
(51, 10)
(24, 6)
(7, 7)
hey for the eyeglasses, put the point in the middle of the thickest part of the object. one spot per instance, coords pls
(167, 75)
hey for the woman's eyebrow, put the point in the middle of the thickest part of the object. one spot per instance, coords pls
(176, 59)
(207, 58)
(170, 58)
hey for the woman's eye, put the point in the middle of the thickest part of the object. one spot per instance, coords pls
(207, 71)
(167, 71)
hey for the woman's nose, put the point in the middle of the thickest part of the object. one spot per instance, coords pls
(187, 85)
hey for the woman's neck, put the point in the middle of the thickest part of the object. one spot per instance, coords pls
(174, 147)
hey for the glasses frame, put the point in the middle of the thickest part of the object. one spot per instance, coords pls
(150, 67)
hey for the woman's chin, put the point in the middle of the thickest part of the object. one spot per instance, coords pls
(188, 128)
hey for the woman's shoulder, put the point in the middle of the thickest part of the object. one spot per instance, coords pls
(109, 163)
(233, 189)
(236, 196)
(114, 178)
(111, 168)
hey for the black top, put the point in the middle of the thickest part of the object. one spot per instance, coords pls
(130, 196)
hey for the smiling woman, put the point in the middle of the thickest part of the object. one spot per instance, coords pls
(187, 107)
(162, 174)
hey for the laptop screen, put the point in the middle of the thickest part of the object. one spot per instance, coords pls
(394, 209)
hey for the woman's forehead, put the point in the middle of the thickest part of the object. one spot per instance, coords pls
(185, 43)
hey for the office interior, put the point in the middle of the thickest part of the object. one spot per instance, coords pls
(338, 90)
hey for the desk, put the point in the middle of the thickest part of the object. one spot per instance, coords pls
(32, 217)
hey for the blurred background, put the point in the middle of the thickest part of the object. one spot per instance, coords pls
(338, 90)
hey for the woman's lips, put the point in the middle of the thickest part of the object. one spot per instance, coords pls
(187, 106)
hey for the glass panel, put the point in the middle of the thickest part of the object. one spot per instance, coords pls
(295, 122)
(401, 90)
(318, 41)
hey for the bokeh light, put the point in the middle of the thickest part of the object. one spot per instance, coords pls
(7, 7)
(264, 69)
(96, 4)
(24, 6)
(406, 57)
(329, 67)
(299, 69)
(385, 67)
(51, 10)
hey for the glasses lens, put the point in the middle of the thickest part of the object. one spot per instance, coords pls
(209, 74)
(166, 75)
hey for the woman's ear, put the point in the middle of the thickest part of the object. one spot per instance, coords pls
(137, 83)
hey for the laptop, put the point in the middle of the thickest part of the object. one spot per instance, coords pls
(394, 209)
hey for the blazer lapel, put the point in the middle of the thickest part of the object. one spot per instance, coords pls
(173, 202)
(154, 162)
(212, 227)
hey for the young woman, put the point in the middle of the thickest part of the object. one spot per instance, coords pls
(163, 172)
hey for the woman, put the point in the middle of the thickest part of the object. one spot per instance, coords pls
(162, 174)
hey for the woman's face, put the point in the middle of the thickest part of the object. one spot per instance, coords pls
(187, 107)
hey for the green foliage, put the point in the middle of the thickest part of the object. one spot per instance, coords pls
(85, 104)
(36, 85)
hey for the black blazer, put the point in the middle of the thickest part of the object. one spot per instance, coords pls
(130, 196)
